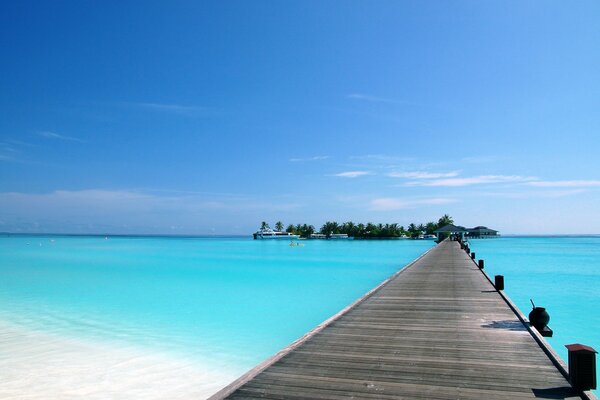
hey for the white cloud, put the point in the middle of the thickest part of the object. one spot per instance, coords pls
(527, 194)
(352, 174)
(56, 136)
(423, 175)
(570, 183)
(474, 180)
(370, 98)
(307, 159)
(480, 159)
(388, 203)
(191, 111)
(101, 210)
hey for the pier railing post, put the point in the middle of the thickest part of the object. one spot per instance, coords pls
(480, 264)
(499, 282)
(473, 255)
(582, 366)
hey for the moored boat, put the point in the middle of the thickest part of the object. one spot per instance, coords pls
(339, 236)
(268, 233)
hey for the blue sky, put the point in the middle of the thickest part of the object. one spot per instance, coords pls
(198, 118)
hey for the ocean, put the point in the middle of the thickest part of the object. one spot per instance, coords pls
(216, 306)
(99, 317)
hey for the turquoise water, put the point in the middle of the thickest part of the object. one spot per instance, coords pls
(231, 302)
(561, 274)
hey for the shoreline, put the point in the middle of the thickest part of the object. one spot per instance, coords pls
(38, 365)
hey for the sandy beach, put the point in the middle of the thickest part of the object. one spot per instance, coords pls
(35, 365)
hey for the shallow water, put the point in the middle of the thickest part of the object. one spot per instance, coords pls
(225, 303)
(132, 311)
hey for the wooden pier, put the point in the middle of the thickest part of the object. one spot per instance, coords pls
(437, 329)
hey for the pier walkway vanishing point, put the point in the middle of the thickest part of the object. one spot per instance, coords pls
(436, 330)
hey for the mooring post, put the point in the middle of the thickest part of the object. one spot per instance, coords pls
(582, 366)
(473, 255)
(480, 264)
(499, 282)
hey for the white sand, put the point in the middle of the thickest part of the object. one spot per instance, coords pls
(36, 365)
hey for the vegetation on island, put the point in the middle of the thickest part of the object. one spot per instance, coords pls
(364, 231)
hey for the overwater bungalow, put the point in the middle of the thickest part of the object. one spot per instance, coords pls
(479, 232)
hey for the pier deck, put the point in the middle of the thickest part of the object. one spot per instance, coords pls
(435, 330)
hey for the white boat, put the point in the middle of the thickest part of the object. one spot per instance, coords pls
(339, 236)
(317, 236)
(430, 236)
(269, 233)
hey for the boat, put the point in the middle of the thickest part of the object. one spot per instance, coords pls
(268, 233)
(339, 236)
(430, 236)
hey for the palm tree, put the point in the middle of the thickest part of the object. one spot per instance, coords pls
(371, 230)
(360, 230)
(430, 227)
(307, 230)
(279, 226)
(264, 225)
(329, 227)
(348, 228)
(445, 220)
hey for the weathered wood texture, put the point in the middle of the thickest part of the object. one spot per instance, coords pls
(438, 330)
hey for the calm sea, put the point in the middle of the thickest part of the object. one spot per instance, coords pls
(232, 302)
(228, 302)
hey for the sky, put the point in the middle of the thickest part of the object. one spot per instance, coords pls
(186, 117)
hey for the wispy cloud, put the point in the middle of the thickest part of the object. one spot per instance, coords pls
(382, 158)
(187, 110)
(352, 174)
(308, 159)
(423, 175)
(12, 150)
(479, 159)
(390, 204)
(7, 158)
(19, 143)
(56, 136)
(123, 210)
(370, 98)
(473, 180)
(564, 184)
(527, 194)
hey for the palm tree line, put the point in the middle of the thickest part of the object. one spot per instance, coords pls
(364, 231)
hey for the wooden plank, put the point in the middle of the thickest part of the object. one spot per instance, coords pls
(435, 330)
